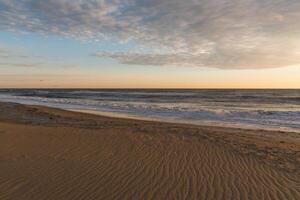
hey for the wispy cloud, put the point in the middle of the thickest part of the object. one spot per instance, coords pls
(9, 58)
(26, 65)
(3, 52)
(210, 33)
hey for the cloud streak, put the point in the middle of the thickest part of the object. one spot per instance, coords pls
(3, 52)
(15, 59)
(26, 65)
(206, 33)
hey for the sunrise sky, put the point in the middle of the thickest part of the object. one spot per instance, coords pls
(150, 43)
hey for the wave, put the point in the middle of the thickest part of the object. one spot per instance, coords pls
(279, 117)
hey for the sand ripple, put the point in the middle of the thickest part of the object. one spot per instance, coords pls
(40, 162)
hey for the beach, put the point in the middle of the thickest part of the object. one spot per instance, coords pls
(149, 100)
(50, 153)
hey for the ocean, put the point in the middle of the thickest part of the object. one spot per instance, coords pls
(258, 109)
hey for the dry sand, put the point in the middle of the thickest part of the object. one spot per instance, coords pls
(53, 154)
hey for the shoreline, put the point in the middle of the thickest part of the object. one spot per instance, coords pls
(82, 152)
(184, 122)
(278, 135)
(230, 125)
(138, 118)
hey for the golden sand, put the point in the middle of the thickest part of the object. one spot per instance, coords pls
(53, 154)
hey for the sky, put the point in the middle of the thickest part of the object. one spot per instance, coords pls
(150, 44)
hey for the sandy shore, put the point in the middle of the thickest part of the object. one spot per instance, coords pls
(53, 154)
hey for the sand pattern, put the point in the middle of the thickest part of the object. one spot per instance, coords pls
(54, 154)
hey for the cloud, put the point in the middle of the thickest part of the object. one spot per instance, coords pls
(3, 51)
(26, 65)
(19, 60)
(210, 33)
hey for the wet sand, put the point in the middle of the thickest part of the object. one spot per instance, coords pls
(53, 154)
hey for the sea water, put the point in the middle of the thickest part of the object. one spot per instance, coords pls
(263, 109)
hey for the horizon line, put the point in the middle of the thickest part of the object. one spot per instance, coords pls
(156, 88)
